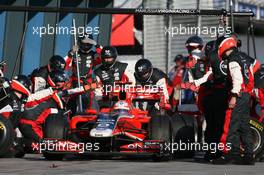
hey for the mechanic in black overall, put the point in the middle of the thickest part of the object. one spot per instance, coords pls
(39, 76)
(237, 117)
(13, 96)
(89, 59)
(110, 72)
(18, 91)
(144, 75)
(216, 102)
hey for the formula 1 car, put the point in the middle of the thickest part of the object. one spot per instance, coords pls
(119, 130)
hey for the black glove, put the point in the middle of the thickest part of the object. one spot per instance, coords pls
(63, 93)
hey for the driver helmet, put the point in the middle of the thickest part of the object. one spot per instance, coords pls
(122, 106)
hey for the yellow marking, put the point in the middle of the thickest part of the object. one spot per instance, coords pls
(257, 125)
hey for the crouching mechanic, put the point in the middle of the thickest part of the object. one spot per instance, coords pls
(39, 106)
(146, 75)
(39, 76)
(18, 91)
(13, 95)
(237, 118)
(43, 103)
(110, 72)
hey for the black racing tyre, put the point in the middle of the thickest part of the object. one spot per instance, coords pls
(55, 127)
(257, 129)
(160, 129)
(7, 135)
(185, 131)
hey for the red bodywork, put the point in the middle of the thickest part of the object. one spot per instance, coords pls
(132, 130)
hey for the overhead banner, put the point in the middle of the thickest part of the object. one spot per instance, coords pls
(122, 30)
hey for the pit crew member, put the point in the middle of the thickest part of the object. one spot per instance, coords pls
(39, 76)
(199, 70)
(175, 76)
(237, 116)
(146, 75)
(88, 61)
(110, 72)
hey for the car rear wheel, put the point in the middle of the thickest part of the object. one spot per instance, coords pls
(160, 129)
(7, 136)
(185, 131)
(257, 130)
(56, 127)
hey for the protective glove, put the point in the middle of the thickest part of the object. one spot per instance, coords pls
(165, 106)
(90, 86)
(190, 64)
(63, 93)
(186, 85)
(74, 49)
(191, 86)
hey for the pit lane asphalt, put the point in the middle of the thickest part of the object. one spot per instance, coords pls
(35, 164)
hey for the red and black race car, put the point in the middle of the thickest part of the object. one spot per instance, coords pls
(120, 129)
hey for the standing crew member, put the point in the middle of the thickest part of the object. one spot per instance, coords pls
(237, 116)
(199, 71)
(175, 76)
(215, 104)
(88, 60)
(111, 71)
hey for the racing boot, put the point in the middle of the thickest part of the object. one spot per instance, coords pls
(245, 160)
(212, 156)
(226, 159)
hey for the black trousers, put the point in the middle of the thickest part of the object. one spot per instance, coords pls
(237, 129)
(215, 105)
